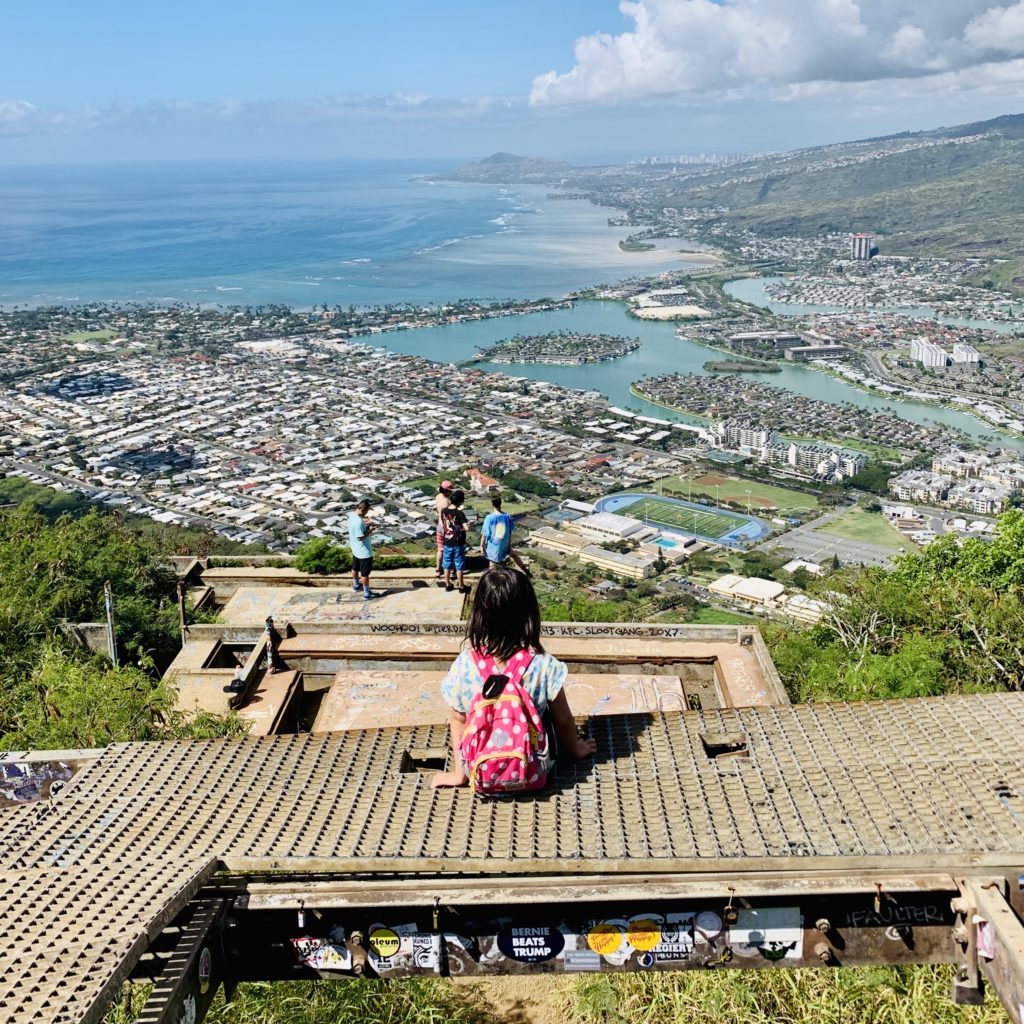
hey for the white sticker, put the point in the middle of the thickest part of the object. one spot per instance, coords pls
(582, 960)
(773, 933)
(322, 955)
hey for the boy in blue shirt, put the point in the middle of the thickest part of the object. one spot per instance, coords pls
(496, 538)
(359, 530)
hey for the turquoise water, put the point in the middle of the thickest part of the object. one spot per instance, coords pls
(752, 290)
(299, 234)
(354, 234)
(661, 351)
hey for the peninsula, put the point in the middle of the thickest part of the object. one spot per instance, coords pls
(561, 348)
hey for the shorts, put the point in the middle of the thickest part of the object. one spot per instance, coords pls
(440, 537)
(454, 557)
(362, 566)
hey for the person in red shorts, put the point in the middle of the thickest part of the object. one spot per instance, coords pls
(442, 500)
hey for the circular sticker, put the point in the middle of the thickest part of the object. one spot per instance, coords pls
(708, 923)
(643, 934)
(604, 938)
(384, 942)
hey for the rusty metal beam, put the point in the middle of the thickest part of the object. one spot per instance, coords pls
(998, 943)
(370, 891)
(194, 972)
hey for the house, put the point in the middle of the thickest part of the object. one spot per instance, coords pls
(479, 482)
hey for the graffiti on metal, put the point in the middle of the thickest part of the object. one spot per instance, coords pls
(23, 782)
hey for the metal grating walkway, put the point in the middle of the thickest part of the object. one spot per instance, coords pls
(88, 879)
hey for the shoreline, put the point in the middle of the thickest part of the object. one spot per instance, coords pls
(839, 442)
(952, 406)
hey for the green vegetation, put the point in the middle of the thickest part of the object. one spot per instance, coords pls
(632, 245)
(51, 503)
(77, 336)
(719, 617)
(950, 199)
(947, 620)
(850, 996)
(874, 477)
(870, 527)
(764, 497)
(706, 522)
(1005, 275)
(52, 692)
(741, 366)
(324, 557)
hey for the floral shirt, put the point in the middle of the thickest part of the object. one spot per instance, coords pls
(543, 681)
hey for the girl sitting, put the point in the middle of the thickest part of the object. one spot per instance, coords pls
(504, 633)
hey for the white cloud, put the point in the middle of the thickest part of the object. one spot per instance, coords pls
(21, 118)
(705, 49)
(999, 29)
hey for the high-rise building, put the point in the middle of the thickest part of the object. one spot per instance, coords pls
(928, 354)
(860, 246)
(965, 355)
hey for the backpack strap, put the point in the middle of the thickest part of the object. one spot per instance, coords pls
(515, 667)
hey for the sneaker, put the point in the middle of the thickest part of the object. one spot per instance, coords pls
(368, 595)
(356, 587)
(463, 590)
(448, 588)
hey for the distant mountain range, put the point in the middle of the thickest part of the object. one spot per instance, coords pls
(953, 191)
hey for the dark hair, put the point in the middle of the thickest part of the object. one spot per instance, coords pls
(364, 504)
(458, 497)
(505, 616)
(496, 502)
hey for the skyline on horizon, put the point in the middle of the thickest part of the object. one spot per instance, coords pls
(584, 81)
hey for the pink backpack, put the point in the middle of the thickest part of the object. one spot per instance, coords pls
(504, 743)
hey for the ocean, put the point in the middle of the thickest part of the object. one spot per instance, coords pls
(302, 234)
(355, 233)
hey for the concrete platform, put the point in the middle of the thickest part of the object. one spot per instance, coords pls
(250, 606)
(732, 675)
(363, 700)
(272, 707)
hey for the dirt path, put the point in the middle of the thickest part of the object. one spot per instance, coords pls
(528, 999)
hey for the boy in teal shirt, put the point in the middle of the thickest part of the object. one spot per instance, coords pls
(359, 530)
(496, 538)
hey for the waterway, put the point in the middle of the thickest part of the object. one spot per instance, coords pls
(754, 290)
(661, 351)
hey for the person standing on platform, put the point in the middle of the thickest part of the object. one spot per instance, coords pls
(442, 500)
(496, 538)
(453, 534)
(359, 532)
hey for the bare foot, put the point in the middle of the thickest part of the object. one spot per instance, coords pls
(442, 779)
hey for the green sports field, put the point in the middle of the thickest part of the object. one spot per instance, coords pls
(664, 513)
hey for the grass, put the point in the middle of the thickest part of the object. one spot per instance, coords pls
(874, 995)
(88, 336)
(718, 617)
(664, 513)
(869, 527)
(784, 500)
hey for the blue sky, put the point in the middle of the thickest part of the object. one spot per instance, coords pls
(581, 79)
